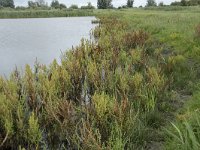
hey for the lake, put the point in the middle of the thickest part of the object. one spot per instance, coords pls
(24, 40)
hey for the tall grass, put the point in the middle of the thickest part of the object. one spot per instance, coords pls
(185, 134)
(31, 13)
(173, 8)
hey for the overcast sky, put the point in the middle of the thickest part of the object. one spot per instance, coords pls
(84, 2)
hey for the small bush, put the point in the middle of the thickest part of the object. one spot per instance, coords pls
(136, 38)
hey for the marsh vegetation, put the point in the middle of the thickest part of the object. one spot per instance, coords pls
(136, 85)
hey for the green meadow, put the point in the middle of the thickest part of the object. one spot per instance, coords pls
(136, 86)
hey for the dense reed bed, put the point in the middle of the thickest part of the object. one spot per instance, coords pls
(31, 13)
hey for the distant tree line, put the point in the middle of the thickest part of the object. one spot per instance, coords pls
(89, 6)
(186, 3)
(34, 4)
(57, 5)
(179, 3)
(101, 4)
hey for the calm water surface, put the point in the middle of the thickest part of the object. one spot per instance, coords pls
(24, 40)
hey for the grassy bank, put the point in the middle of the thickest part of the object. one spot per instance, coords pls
(124, 91)
(31, 13)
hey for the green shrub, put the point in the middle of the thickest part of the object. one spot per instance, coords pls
(134, 39)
